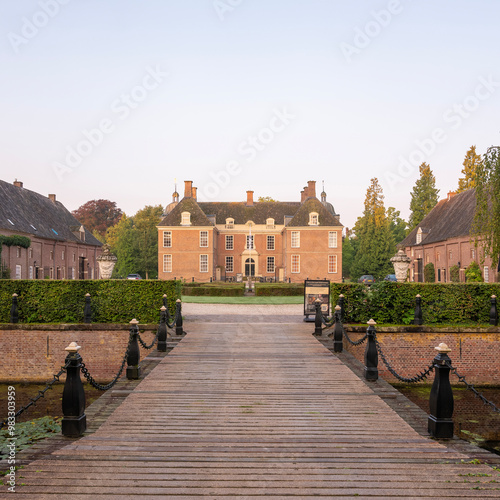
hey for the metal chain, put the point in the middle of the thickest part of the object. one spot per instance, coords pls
(408, 380)
(41, 394)
(144, 344)
(461, 378)
(174, 321)
(353, 342)
(100, 387)
(328, 322)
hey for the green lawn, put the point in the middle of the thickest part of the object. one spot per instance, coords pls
(243, 300)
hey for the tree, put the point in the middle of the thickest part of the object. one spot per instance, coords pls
(265, 198)
(376, 241)
(429, 273)
(98, 216)
(396, 224)
(423, 197)
(473, 273)
(471, 164)
(134, 240)
(349, 250)
(486, 224)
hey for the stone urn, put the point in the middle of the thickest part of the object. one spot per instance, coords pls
(401, 263)
(106, 263)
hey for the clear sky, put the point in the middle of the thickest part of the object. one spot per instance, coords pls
(115, 99)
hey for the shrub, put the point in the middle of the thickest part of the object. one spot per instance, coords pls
(112, 301)
(429, 273)
(278, 290)
(473, 273)
(455, 274)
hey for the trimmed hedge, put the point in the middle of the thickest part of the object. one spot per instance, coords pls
(63, 301)
(394, 303)
(278, 290)
(213, 290)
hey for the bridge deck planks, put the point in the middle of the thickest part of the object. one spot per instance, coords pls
(252, 411)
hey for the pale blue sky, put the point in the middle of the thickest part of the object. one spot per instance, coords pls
(340, 91)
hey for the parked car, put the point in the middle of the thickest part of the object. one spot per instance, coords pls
(134, 277)
(366, 278)
(390, 277)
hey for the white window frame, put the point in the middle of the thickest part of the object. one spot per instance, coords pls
(203, 263)
(270, 242)
(19, 271)
(295, 264)
(250, 241)
(332, 264)
(332, 239)
(295, 239)
(486, 274)
(185, 219)
(314, 219)
(229, 242)
(229, 264)
(229, 223)
(167, 239)
(270, 223)
(203, 239)
(270, 265)
(167, 263)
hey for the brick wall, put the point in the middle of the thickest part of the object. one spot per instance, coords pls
(35, 355)
(475, 355)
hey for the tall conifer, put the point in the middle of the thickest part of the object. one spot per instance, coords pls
(424, 196)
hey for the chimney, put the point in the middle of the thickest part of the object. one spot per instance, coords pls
(18, 184)
(188, 189)
(249, 198)
(194, 192)
(311, 189)
(52, 198)
(451, 194)
(303, 195)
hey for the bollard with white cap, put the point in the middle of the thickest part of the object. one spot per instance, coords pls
(133, 358)
(74, 422)
(14, 313)
(371, 354)
(440, 422)
(162, 330)
(338, 331)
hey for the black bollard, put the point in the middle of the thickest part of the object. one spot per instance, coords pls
(418, 320)
(341, 304)
(14, 312)
(74, 422)
(87, 311)
(162, 330)
(178, 322)
(440, 422)
(134, 355)
(338, 331)
(318, 330)
(371, 354)
(493, 311)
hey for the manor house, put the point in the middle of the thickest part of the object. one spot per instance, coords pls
(267, 240)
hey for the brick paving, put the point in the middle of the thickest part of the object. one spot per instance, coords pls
(252, 410)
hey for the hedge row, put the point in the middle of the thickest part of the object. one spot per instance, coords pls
(112, 301)
(279, 290)
(213, 290)
(394, 303)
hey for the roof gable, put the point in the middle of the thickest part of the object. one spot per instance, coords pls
(325, 217)
(24, 211)
(198, 217)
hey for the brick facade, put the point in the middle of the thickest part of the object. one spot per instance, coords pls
(269, 240)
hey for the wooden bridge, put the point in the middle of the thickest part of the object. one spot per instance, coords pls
(249, 409)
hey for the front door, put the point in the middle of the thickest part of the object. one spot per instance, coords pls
(249, 267)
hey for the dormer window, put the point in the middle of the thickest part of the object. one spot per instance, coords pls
(419, 236)
(270, 223)
(313, 219)
(185, 219)
(229, 223)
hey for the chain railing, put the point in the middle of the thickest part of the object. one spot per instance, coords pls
(41, 394)
(150, 346)
(470, 387)
(355, 342)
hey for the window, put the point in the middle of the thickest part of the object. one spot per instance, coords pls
(438, 258)
(31, 273)
(427, 258)
(73, 276)
(472, 253)
(167, 239)
(203, 239)
(250, 241)
(450, 255)
(332, 239)
(185, 219)
(62, 255)
(229, 242)
(30, 253)
(51, 273)
(74, 258)
(332, 263)
(313, 219)
(295, 263)
(229, 223)
(419, 237)
(295, 239)
(167, 263)
(270, 223)
(18, 272)
(18, 251)
(486, 274)
(203, 263)
(270, 242)
(270, 264)
(229, 264)
(51, 255)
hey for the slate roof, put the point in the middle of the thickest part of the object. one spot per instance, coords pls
(34, 214)
(258, 213)
(448, 219)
